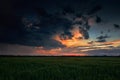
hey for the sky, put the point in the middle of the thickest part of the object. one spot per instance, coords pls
(60, 27)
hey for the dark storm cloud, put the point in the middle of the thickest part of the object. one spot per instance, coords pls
(98, 19)
(102, 38)
(95, 9)
(10, 26)
(116, 26)
(19, 26)
(41, 11)
(84, 33)
(68, 9)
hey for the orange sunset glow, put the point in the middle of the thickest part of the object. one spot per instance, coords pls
(72, 48)
(59, 52)
(75, 41)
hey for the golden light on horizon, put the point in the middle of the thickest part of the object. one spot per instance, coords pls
(81, 54)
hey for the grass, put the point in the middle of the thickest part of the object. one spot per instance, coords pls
(59, 68)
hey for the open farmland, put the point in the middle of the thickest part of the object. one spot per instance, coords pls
(59, 68)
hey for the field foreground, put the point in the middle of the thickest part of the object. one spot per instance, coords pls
(59, 68)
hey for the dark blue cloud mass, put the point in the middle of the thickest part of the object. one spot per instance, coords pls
(35, 23)
(26, 23)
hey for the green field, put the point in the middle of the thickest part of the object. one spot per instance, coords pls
(59, 68)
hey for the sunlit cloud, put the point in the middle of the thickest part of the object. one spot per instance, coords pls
(102, 46)
(115, 43)
(76, 40)
(96, 49)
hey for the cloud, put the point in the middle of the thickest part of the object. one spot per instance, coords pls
(105, 48)
(102, 52)
(76, 38)
(68, 10)
(116, 26)
(41, 11)
(61, 52)
(102, 38)
(38, 26)
(95, 9)
(39, 31)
